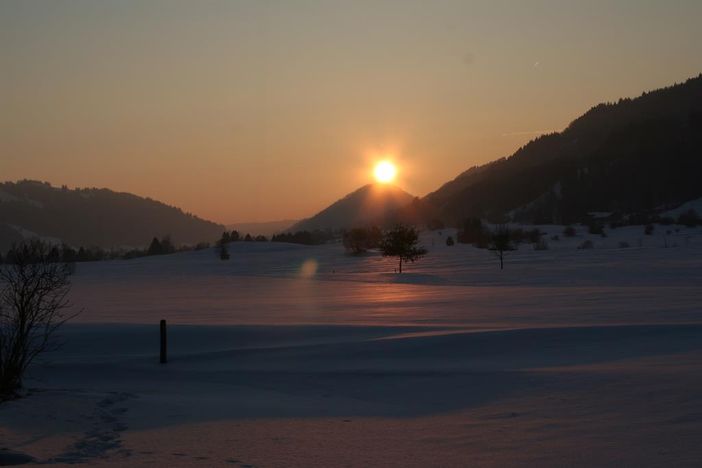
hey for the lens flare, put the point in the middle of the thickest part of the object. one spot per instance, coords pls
(308, 268)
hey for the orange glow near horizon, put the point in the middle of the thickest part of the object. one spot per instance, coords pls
(385, 172)
(254, 112)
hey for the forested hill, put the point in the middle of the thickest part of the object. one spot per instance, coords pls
(634, 155)
(93, 217)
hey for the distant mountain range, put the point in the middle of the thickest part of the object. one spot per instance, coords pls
(635, 155)
(639, 155)
(265, 228)
(371, 204)
(93, 217)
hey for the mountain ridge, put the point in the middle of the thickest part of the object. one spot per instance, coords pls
(94, 217)
(369, 204)
(636, 154)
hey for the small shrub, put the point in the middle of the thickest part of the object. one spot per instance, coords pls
(595, 228)
(534, 236)
(690, 218)
(648, 230)
(223, 252)
(474, 232)
(541, 245)
(586, 245)
(449, 241)
(359, 240)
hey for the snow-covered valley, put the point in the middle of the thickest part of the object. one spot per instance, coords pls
(288, 355)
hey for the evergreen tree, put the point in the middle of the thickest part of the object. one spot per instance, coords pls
(155, 247)
(53, 256)
(473, 232)
(222, 251)
(690, 218)
(224, 239)
(402, 242)
(356, 240)
(68, 254)
(167, 246)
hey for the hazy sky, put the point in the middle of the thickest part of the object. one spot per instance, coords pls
(260, 110)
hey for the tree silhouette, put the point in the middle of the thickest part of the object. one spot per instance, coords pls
(402, 242)
(501, 242)
(222, 250)
(155, 247)
(33, 298)
(359, 240)
(167, 246)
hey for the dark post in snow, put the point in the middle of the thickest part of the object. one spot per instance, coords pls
(164, 343)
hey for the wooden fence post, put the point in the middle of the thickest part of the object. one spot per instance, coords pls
(164, 343)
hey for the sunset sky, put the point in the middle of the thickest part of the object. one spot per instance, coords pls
(263, 110)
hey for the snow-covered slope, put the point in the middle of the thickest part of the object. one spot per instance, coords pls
(289, 355)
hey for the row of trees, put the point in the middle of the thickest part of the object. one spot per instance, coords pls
(688, 218)
(315, 237)
(235, 236)
(66, 254)
(63, 253)
(401, 242)
(227, 237)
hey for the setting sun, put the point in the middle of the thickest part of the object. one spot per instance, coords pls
(385, 172)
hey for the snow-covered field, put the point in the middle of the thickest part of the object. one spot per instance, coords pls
(289, 355)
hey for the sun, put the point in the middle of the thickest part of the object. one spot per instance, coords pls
(385, 172)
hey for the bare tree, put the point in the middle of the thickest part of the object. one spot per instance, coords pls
(501, 242)
(33, 299)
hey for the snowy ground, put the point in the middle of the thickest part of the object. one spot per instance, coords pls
(288, 355)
